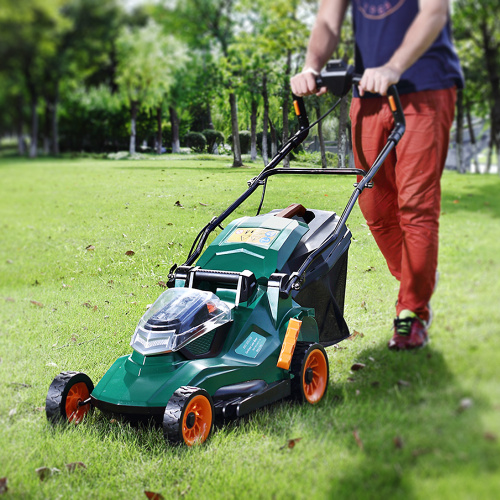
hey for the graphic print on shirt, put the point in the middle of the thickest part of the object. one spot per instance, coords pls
(378, 9)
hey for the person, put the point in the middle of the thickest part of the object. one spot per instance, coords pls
(407, 43)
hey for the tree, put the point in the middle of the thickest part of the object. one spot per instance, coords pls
(477, 30)
(147, 60)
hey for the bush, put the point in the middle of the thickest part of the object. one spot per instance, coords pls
(213, 137)
(245, 139)
(196, 141)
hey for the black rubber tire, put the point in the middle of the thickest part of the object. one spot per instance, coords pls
(55, 403)
(175, 410)
(300, 356)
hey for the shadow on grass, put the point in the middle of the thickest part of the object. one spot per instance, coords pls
(411, 422)
(482, 196)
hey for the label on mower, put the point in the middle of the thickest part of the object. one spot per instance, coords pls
(253, 235)
(251, 346)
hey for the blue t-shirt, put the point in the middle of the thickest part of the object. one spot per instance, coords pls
(379, 29)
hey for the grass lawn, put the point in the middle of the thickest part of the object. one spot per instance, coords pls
(408, 425)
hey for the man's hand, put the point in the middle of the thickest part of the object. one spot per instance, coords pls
(304, 83)
(378, 80)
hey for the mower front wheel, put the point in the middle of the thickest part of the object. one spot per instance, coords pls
(188, 416)
(311, 371)
(66, 398)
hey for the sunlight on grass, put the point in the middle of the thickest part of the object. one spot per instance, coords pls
(72, 291)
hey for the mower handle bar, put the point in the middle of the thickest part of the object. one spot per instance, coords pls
(338, 78)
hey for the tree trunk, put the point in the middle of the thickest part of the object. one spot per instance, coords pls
(491, 53)
(46, 128)
(286, 100)
(54, 123)
(460, 132)
(159, 138)
(174, 122)
(209, 116)
(274, 140)
(343, 141)
(265, 121)
(320, 134)
(34, 127)
(133, 122)
(237, 162)
(253, 130)
(473, 142)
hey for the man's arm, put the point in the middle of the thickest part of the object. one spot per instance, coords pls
(324, 39)
(425, 28)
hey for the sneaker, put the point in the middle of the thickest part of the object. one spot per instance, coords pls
(410, 332)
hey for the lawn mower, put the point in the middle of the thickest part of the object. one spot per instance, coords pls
(243, 324)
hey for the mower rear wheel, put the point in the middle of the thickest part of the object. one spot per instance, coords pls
(311, 371)
(188, 416)
(66, 396)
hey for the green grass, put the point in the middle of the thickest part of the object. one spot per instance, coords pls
(66, 307)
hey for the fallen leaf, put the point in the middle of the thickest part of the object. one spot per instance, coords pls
(129, 253)
(290, 443)
(36, 303)
(358, 439)
(95, 308)
(403, 383)
(178, 204)
(9, 299)
(153, 496)
(75, 465)
(162, 284)
(10, 261)
(3, 485)
(356, 334)
(90, 248)
(363, 304)
(465, 404)
(46, 472)
(456, 201)
(203, 204)
(490, 436)
(293, 442)
(398, 442)
(357, 366)
(87, 305)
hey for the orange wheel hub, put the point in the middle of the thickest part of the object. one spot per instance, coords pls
(78, 393)
(197, 420)
(315, 376)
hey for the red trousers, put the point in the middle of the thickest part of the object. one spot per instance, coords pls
(402, 209)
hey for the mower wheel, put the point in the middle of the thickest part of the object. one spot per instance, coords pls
(188, 416)
(65, 397)
(310, 372)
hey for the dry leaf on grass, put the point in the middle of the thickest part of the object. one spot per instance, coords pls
(358, 439)
(398, 442)
(357, 366)
(36, 303)
(75, 465)
(162, 284)
(90, 248)
(153, 496)
(356, 334)
(291, 443)
(46, 472)
(3, 485)
(465, 404)
(129, 253)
